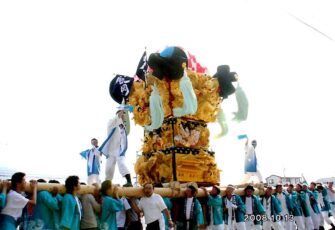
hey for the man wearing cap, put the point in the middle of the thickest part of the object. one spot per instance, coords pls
(234, 210)
(272, 210)
(254, 209)
(324, 206)
(250, 164)
(118, 145)
(331, 195)
(214, 205)
(190, 216)
(296, 207)
(302, 199)
(286, 206)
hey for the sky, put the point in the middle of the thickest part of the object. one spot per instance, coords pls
(57, 59)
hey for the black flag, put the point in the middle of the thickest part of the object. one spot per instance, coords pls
(142, 66)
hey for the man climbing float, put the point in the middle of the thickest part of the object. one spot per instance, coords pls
(116, 144)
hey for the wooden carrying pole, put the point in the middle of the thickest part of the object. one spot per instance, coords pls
(138, 191)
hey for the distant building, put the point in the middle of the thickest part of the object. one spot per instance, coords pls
(325, 180)
(273, 180)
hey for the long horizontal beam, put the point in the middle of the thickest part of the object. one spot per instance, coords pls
(138, 191)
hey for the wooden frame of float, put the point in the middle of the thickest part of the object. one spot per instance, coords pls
(173, 191)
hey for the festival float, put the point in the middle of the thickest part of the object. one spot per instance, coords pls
(174, 99)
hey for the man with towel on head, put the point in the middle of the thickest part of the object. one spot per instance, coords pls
(93, 157)
(254, 210)
(234, 210)
(215, 209)
(116, 145)
(250, 165)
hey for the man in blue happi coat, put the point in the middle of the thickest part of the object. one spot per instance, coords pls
(286, 204)
(272, 210)
(296, 203)
(215, 209)
(254, 210)
(4, 185)
(250, 163)
(234, 210)
(324, 205)
(189, 215)
(312, 198)
(93, 157)
(48, 205)
(303, 202)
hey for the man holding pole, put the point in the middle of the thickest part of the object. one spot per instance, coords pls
(254, 209)
(15, 201)
(234, 210)
(331, 194)
(215, 208)
(190, 215)
(152, 206)
(286, 205)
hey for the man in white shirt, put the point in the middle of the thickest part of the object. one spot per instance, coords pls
(152, 206)
(121, 216)
(16, 202)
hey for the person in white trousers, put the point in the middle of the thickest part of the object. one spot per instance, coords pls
(254, 209)
(312, 204)
(250, 165)
(286, 205)
(234, 210)
(303, 199)
(117, 148)
(324, 206)
(296, 208)
(272, 210)
(331, 195)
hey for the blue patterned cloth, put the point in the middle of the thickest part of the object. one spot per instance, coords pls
(7, 222)
(250, 163)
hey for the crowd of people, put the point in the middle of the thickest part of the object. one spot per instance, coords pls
(283, 207)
